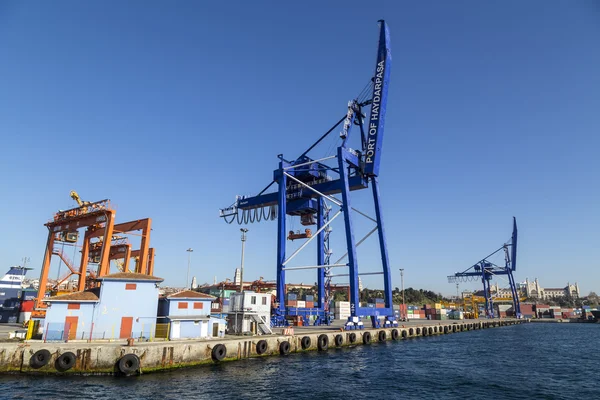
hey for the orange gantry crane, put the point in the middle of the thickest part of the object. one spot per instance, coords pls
(98, 220)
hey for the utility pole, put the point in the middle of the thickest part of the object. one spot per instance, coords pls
(403, 314)
(187, 278)
(243, 230)
(457, 295)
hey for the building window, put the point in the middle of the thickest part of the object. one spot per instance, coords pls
(253, 300)
(264, 300)
(198, 305)
(74, 306)
(182, 304)
(130, 286)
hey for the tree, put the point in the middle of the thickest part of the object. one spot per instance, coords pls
(593, 299)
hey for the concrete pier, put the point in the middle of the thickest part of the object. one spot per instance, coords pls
(118, 358)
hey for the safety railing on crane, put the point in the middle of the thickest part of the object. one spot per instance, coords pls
(81, 211)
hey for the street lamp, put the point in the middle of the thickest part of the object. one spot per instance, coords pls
(402, 283)
(243, 230)
(187, 278)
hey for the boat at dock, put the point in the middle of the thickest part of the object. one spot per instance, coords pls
(11, 289)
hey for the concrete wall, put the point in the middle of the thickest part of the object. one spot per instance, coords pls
(192, 329)
(116, 302)
(54, 323)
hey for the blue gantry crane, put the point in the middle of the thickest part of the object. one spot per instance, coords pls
(306, 188)
(486, 270)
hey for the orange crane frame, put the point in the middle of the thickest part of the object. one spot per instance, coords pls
(99, 219)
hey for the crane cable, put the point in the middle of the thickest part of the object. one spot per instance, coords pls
(268, 213)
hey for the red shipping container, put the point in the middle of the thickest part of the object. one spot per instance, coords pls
(379, 305)
(292, 303)
(309, 304)
(27, 305)
(527, 309)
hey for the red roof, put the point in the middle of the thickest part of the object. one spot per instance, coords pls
(76, 296)
(129, 276)
(190, 294)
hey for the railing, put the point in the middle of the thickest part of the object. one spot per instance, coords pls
(81, 211)
(62, 332)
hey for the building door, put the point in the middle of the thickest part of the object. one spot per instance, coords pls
(126, 324)
(215, 329)
(71, 328)
(175, 330)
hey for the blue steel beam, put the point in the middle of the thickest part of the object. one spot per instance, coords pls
(281, 238)
(320, 256)
(379, 101)
(329, 188)
(387, 282)
(513, 255)
(350, 242)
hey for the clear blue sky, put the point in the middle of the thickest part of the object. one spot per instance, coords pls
(170, 109)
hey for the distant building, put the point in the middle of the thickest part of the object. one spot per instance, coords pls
(123, 306)
(535, 291)
(194, 283)
(237, 277)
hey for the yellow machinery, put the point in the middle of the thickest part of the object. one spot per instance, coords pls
(471, 302)
(75, 196)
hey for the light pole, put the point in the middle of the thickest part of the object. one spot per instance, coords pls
(457, 295)
(187, 278)
(402, 283)
(243, 230)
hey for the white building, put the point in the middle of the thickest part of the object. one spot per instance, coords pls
(249, 312)
(534, 290)
(237, 278)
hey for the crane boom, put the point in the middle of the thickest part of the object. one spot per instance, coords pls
(379, 102)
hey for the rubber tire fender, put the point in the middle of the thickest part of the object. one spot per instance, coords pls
(352, 337)
(394, 334)
(218, 352)
(284, 348)
(366, 338)
(404, 334)
(339, 340)
(323, 342)
(128, 364)
(305, 342)
(261, 347)
(65, 361)
(382, 336)
(39, 358)
(411, 331)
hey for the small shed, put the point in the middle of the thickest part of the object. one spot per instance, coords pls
(249, 312)
(188, 315)
(70, 316)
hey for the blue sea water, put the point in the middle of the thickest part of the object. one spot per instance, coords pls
(528, 361)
